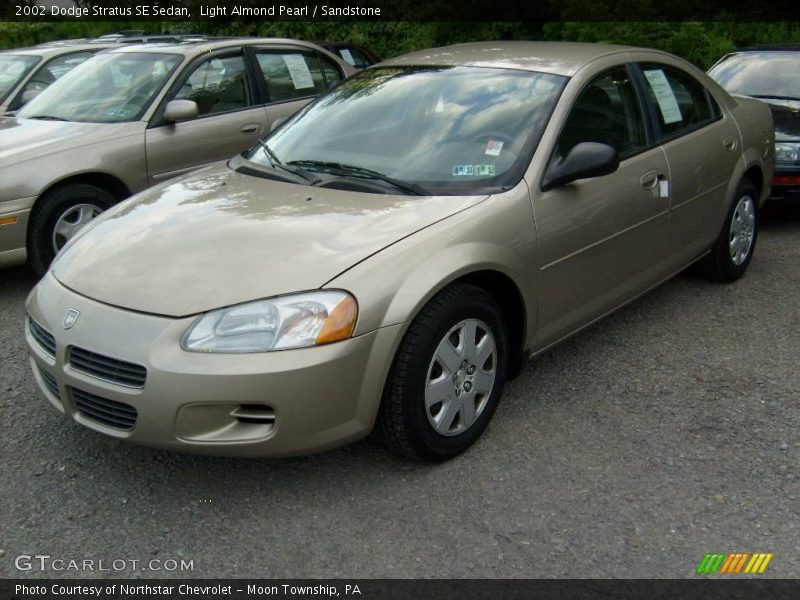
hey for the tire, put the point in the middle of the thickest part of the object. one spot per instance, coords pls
(68, 207)
(741, 222)
(410, 426)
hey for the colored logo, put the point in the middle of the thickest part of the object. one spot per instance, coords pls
(70, 317)
(737, 562)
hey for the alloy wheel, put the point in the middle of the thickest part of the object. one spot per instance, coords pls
(71, 221)
(742, 230)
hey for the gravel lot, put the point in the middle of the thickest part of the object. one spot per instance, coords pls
(669, 430)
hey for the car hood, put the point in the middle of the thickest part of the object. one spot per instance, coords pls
(25, 139)
(218, 237)
(786, 115)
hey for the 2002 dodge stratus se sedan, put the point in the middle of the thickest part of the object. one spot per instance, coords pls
(388, 257)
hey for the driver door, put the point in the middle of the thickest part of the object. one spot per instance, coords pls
(229, 120)
(602, 240)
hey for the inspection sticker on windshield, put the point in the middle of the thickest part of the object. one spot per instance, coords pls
(119, 113)
(345, 52)
(479, 170)
(665, 97)
(493, 148)
(298, 71)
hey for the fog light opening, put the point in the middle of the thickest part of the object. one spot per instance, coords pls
(257, 414)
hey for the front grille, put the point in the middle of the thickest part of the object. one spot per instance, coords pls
(108, 412)
(43, 337)
(51, 383)
(107, 368)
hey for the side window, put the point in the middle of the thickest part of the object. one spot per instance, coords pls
(355, 57)
(50, 72)
(332, 73)
(217, 85)
(681, 102)
(290, 75)
(607, 111)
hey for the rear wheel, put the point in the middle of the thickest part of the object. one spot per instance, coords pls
(447, 376)
(733, 250)
(57, 217)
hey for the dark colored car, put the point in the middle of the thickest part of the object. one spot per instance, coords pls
(356, 55)
(772, 74)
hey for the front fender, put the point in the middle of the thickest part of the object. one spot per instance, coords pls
(497, 235)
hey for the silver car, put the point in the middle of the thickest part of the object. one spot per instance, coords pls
(388, 258)
(137, 115)
(25, 72)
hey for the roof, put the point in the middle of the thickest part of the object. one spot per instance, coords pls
(199, 46)
(113, 40)
(57, 48)
(770, 48)
(559, 58)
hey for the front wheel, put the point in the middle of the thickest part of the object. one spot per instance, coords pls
(733, 250)
(447, 377)
(58, 215)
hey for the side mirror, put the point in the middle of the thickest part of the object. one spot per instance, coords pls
(587, 159)
(181, 110)
(29, 95)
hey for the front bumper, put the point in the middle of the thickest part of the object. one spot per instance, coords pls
(271, 404)
(14, 216)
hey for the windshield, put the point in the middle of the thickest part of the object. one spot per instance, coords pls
(768, 74)
(107, 88)
(446, 129)
(13, 68)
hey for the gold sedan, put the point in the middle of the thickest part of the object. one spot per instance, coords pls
(388, 257)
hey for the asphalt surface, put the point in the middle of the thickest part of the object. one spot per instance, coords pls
(668, 430)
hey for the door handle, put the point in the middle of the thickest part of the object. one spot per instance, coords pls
(250, 128)
(729, 143)
(649, 180)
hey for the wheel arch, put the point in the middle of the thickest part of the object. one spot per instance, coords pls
(754, 174)
(105, 181)
(495, 281)
(508, 296)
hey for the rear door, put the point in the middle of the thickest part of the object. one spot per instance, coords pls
(231, 116)
(290, 77)
(702, 146)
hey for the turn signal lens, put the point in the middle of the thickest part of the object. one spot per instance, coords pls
(340, 323)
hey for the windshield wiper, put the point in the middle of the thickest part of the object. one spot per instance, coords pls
(277, 164)
(48, 118)
(766, 97)
(352, 170)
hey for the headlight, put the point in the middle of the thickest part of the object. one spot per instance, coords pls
(787, 151)
(281, 323)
